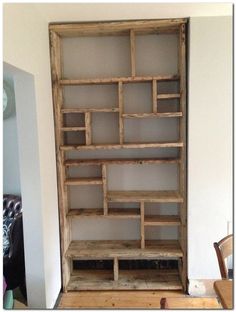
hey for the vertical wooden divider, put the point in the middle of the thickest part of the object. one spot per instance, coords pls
(65, 228)
(154, 96)
(116, 269)
(142, 225)
(182, 165)
(104, 185)
(88, 134)
(132, 52)
(121, 109)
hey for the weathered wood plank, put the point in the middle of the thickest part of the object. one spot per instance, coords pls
(117, 161)
(145, 196)
(168, 96)
(121, 108)
(128, 249)
(104, 184)
(182, 165)
(190, 303)
(83, 181)
(114, 28)
(113, 213)
(116, 269)
(65, 231)
(89, 110)
(153, 115)
(154, 96)
(161, 220)
(73, 129)
(88, 133)
(120, 146)
(128, 279)
(129, 299)
(132, 53)
(115, 80)
(142, 225)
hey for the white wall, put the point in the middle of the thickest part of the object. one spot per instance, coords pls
(11, 171)
(26, 46)
(210, 141)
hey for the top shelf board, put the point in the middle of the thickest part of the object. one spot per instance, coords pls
(116, 80)
(118, 28)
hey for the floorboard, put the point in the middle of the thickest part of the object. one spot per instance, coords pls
(114, 299)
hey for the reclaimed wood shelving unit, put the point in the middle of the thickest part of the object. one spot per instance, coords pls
(117, 251)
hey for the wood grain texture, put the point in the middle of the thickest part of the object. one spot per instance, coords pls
(83, 181)
(116, 80)
(224, 290)
(182, 165)
(117, 161)
(116, 269)
(128, 279)
(145, 196)
(88, 133)
(121, 146)
(154, 96)
(129, 299)
(114, 28)
(113, 213)
(190, 303)
(128, 249)
(73, 129)
(89, 110)
(65, 231)
(104, 185)
(121, 109)
(167, 96)
(132, 53)
(142, 211)
(153, 115)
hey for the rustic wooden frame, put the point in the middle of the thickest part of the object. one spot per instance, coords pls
(68, 251)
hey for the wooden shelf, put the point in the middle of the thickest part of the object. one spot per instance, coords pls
(161, 220)
(89, 110)
(116, 80)
(117, 161)
(168, 96)
(145, 196)
(113, 213)
(128, 280)
(121, 146)
(73, 129)
(83, 181)
(153, 115)
(130, 249)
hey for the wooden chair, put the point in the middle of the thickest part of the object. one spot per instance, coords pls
(224, 249)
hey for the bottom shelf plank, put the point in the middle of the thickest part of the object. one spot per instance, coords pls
(128, 280)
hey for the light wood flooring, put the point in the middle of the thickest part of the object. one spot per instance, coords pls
(115, 299)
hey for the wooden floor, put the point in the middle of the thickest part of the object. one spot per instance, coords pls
(115, 299)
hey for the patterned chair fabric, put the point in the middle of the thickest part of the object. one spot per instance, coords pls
(13, 243)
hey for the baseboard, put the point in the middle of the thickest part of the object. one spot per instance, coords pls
(201, 287)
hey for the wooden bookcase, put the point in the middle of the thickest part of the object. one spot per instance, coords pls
(77, 121)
